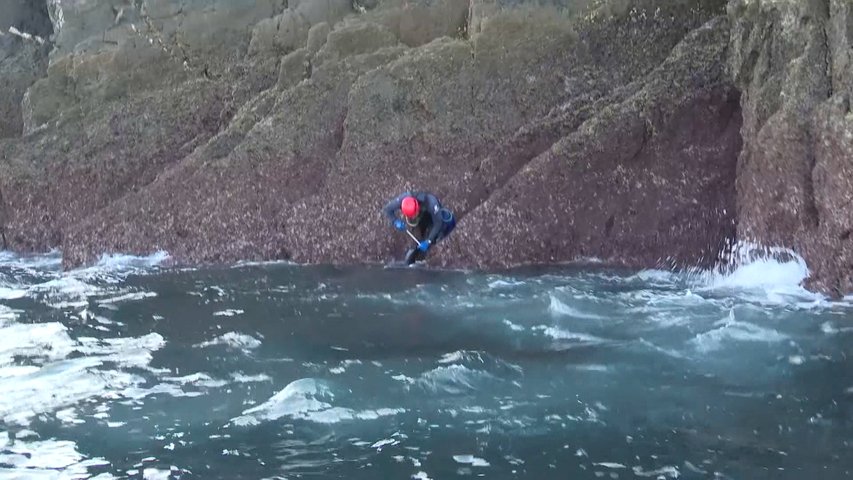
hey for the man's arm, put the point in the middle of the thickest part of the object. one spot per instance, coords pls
(391, 208)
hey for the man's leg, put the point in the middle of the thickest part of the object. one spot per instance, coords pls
(446, 229)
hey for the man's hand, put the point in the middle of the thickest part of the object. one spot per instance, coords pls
(399, 225)
(424, 246)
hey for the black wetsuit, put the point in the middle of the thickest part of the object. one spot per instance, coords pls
(430, 224)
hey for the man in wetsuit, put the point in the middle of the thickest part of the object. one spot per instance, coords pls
(423, 212)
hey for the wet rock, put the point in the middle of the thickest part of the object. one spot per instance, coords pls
(317, 37)
(24, 28)
(646, 133)
(792, 61)
(417, 22)
(295, 67)
(22, 63)
(275, 152)
(354, 39)
(290, 29)
(113, 49)
(441, 116)
(644, 181)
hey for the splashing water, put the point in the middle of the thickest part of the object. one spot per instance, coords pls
(128, 369)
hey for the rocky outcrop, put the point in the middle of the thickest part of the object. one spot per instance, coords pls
(792, 59)
(468, 121)
(646, 178)
(645, 133)
(24, 26)
(375, 115)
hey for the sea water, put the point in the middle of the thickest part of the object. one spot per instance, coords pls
(130, 369)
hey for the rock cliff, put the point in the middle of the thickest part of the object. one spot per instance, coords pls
(645, 133)
(792, 61)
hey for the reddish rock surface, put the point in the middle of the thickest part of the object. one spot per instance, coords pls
(792, 59)
(643, 133)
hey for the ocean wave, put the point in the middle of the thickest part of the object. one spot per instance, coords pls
(470, 460)
(559, 308)
(307, 399)
(30, 391)
(45, 459)
(453, 379)
(765, 274)
(730, 330)
(233, 340)
(121, 261)
(558, 333)
(197, 380)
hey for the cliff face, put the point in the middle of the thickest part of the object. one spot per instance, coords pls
(792, 60)
(23, 58)
(641, 132)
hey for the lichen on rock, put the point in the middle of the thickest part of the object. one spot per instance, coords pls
(646, 133)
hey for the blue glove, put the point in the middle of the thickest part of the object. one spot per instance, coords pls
(399, 225)
(424, 246)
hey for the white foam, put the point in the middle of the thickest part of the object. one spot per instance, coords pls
(513, 460)
(262, 263)
(41, 342)
(155, 474)
(306, 399)
(461, 356)
(127, 297)
(660, 473)
(513, 326)
(592, 368)
(470, 460)
(64, 292)
(796, 360)
(338, 414)
(452, 379)
(7, 293)
(8, 315)
(655, 276)
(198, 380)
(421, 476)
(560, 334)
(133, 352)
(504, 283)
(342, 367)
(68, 416)
(559, 308)
(611, 465)
(32, 390)
(403, 378)
(137, 393)
(45, 459)
(51, 261)
(233, 340)
(241, 378)
(228, 313)
(385, 442)
(830, 329)
(731, 330)
(764, 273)
(771, 275)
(666, 351)
(120, 261)
(31, 395)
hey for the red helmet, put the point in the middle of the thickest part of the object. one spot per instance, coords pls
(410, 207)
